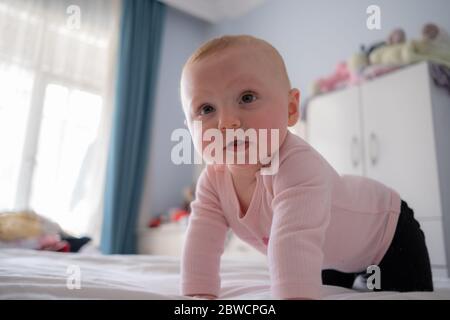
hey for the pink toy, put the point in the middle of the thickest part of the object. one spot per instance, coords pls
(341, 77)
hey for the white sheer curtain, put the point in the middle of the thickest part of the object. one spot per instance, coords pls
(57, 68)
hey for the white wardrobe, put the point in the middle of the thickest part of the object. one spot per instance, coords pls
(395, 129)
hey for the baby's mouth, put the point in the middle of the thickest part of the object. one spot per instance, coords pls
(237, 145)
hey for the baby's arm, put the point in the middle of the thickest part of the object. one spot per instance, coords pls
(204, 242)
(301, 212)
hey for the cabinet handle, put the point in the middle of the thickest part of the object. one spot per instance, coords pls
(354, 151)
(374, 148)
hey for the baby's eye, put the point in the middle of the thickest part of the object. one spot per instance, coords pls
(248, 98)
(206, 109)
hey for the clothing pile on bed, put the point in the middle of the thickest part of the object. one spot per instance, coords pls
(28, 230)
(387, 56)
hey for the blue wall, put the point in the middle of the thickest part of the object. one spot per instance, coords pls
(164, 180)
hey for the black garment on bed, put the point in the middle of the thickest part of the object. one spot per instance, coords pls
(404, 267)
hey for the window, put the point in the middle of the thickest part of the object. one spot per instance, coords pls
(69, 125)
(15, 96)
(55, 107)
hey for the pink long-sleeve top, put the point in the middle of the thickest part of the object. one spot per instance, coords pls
(305, 218)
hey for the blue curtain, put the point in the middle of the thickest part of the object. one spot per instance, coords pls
(140, 45)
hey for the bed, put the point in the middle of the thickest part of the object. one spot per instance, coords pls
(30, 274)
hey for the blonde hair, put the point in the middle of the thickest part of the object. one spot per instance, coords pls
(217, 45)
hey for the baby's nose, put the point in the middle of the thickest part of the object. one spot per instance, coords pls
(229, 121)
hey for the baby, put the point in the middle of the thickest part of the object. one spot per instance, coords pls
(315, 226)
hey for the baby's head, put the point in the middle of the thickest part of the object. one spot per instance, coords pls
(237, 82)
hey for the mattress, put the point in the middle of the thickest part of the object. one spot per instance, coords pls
(29, 274)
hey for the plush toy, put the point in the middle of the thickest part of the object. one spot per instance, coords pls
(176, 214)
(434, 46)
(26, 229)
(155, 222)
(188, 194)
(180, 213)
(26, 224)
(432, 33)
(351, 72)
(331, 82)
(20, 225)
(389, 55)
(360, 60)
(397, 36)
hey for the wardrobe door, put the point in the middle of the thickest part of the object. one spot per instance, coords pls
(401, 148)
(399, 137)
(334, 129)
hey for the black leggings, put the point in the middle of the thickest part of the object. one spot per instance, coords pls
(404, 267)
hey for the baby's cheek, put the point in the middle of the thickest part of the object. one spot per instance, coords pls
(197, 140)
(201, 143)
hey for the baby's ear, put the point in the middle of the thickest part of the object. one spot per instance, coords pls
(293, 107)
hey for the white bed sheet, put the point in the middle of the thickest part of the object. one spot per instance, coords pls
(28, 274)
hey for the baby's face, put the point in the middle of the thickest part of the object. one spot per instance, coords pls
(240, 87)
